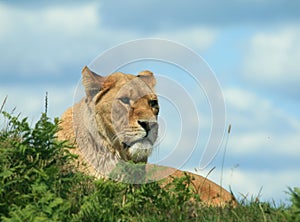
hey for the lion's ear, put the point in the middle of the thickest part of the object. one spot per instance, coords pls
(148, 78)
(92, 82)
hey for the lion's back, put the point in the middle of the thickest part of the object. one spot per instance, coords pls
(66, 131)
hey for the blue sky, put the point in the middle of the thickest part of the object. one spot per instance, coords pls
(252, 46)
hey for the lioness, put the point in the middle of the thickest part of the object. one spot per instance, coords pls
(116, 122)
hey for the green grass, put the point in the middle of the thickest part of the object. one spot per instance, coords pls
(38, 182)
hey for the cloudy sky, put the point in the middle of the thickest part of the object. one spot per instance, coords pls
(252, 47)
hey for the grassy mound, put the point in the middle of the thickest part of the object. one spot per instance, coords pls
(39, 182)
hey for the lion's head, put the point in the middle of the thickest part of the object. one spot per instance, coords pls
(125, 109)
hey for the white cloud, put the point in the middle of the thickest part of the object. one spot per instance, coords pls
(243, 100)
(39, 42)
(259, 125)
(259, 143)
(273, 58)
(255, 143)
(71, 20)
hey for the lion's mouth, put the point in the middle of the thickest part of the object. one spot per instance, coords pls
(127, 145)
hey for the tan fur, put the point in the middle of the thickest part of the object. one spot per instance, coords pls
(117, 122)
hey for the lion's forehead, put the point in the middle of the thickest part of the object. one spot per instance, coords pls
(120, 78)
(130, 86)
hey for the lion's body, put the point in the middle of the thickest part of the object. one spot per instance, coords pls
(117, 122)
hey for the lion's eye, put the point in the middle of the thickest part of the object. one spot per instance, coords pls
(153, 103)
(125, 100)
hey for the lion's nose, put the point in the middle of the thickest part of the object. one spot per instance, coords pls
(147, 125)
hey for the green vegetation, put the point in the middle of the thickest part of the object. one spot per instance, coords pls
(39, 182)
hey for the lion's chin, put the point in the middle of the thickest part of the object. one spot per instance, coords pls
(140, 151)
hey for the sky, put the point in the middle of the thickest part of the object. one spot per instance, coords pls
(250, 47)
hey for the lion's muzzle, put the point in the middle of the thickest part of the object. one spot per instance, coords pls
(140, 145)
